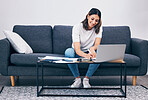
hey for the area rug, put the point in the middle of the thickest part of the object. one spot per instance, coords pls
(29, 93)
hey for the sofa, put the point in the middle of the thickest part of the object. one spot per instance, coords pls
(45, 40)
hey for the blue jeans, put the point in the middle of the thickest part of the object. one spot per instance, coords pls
(70, 52)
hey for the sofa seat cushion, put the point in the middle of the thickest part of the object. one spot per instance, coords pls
(132, 61)
(29, 59)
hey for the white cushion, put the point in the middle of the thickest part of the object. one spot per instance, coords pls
(17, 42)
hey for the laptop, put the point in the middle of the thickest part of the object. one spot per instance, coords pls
(110, 52)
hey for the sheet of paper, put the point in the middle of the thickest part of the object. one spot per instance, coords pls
(61, 61)
(60, 58)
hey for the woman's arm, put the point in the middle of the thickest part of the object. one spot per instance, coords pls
(93, 48)
(79, 52)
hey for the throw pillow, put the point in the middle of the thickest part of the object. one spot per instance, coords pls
(18, 43)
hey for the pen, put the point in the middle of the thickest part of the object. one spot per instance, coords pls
(89, 51)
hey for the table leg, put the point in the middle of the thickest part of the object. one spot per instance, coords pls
(42, 75)
(125, 78)
(121, 76)
(37, 79)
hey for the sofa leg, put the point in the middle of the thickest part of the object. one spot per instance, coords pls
(17, 77)
(12, 81)
(134, 80)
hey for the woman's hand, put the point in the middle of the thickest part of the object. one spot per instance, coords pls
(88, 56)
(92, 52)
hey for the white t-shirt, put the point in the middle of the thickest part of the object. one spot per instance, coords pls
(85, 37)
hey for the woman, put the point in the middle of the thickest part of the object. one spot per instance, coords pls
(86, 37)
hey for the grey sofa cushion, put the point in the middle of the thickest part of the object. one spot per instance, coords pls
(38, 37)
(31, 59)
(62, 38)
(117, 35)
(132, 61)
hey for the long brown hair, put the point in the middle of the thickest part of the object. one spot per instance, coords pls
(85, 21)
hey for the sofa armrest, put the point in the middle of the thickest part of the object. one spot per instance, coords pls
(140, 49)
(4, 56)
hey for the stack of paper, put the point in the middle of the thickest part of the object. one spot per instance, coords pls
(53, 58)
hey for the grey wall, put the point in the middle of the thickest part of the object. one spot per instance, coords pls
(133, 13)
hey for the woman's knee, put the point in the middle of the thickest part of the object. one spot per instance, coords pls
(70, 52)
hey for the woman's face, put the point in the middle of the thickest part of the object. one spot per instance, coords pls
(92, 20)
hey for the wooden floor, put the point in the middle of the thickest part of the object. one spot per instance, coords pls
(68, 80)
